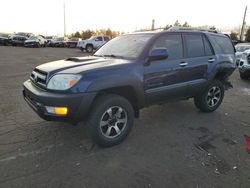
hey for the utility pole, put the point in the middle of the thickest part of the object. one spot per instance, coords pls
(243, 25)
(153, 25)
(64, 18)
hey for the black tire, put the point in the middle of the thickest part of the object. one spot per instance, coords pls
(81, 49)
(89, 48)
(208, 101)
(244, 76)
(100, 121)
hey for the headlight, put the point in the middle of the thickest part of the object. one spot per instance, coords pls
(63, 81)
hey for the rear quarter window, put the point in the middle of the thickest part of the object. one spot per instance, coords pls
(222, 44)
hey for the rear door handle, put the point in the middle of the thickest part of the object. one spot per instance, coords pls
(183, 64)
(211, 60)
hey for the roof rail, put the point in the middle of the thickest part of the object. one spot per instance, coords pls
(192, 29)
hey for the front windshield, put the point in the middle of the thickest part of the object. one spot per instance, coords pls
(242, 48)
(126, 46)
(91, 38)
(32, 38)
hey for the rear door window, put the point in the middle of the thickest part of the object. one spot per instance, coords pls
(194, 45)
(208, 49)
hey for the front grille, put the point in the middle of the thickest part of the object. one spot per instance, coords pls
(30, 43)
(30, 100)
(39, 78)
(248, 58)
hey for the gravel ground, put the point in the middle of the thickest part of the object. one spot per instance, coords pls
(172, 145)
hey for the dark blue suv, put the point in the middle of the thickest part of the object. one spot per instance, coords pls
(131, 72)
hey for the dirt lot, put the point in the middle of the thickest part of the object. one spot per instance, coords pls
(172, 145)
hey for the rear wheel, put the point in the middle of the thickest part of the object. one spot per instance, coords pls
(110, 120)
(211, 98)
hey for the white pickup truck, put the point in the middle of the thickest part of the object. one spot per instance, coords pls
(92, 43)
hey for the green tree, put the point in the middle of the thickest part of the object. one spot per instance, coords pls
(177, 23)
(186, 25)
(248, 35)
(233, 36)
(167, 27)
(109, 32)
(213, 28)
(77, 35)
(87, 34)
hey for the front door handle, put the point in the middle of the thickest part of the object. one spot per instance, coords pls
(211, 60)
(183, 64)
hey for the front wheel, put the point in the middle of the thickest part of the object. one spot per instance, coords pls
(110, 120)
(211, 98)
(89, 48)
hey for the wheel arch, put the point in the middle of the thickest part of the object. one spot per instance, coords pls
(125, 91)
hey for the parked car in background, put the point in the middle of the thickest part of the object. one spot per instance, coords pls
(4, 39)
(92, 43)
(18, 40)
(51, 42)
(60, 42)
(50, 38)
(72, 43)
(240, 48)
(235, 42)
(35, 41)
(27, 35)
(244, 65)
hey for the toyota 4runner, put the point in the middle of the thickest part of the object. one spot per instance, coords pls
(131, 72)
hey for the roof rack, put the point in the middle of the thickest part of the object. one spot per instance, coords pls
(156, 29)
(192, 29)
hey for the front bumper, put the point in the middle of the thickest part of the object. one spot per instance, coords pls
(31, 44)
(78, 104)
(245, 69)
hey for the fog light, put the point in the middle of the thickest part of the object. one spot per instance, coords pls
(57, 110)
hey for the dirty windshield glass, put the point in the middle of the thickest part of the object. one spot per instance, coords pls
(126, 46)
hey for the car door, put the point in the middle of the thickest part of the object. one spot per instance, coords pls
(163, 78)
(98, 41)
(199, 55)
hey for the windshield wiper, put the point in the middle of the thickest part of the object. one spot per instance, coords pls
(97, 55)
(114, 56)
(110, 55)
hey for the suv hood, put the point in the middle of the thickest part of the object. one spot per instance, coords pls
(77, 65)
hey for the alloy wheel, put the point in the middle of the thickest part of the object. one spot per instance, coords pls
(113, 122)
(213, 96)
